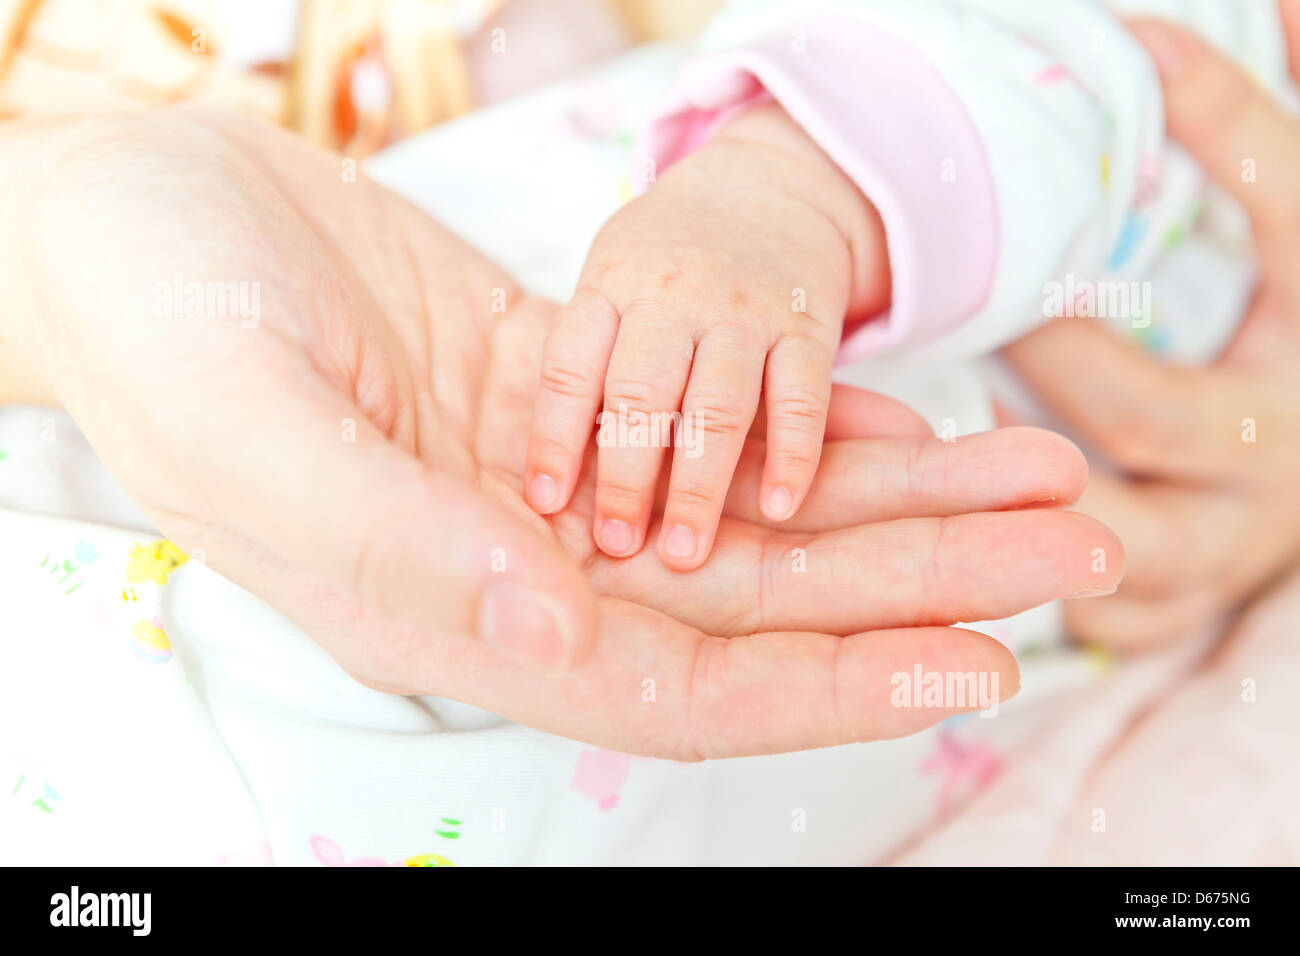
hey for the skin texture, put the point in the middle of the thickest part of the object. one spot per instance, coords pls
(726, 283)
(1208, 518)
(356, 459)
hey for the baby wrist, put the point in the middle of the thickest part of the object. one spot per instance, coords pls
(821, 183)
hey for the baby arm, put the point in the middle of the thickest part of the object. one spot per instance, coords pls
(997, 154)
(728, 280)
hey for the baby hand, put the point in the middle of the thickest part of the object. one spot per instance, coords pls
(732, 276)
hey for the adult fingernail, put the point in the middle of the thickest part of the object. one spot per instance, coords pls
(780, 504)
(1094, 591)
(522, 625)
(543, 492)
(615, 537)
(1007, 692)
(680, 543)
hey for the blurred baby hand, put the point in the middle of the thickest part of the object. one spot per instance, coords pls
(730, 278)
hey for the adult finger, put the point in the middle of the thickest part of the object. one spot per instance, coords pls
(1181, 539)
(858, 413)
(903, 573)
(1148, 416)
(1290, 11)
(879, 479)
(370, 527)
(657, 687)
(1127, 623)
(1229, 123)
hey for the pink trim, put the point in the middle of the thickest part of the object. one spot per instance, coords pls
(883, 113)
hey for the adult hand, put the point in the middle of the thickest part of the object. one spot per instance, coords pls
(353, 454)
(1208, 511)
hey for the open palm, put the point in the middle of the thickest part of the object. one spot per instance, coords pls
(353, 455)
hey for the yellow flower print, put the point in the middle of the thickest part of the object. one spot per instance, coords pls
(154, 561)
(150, 640)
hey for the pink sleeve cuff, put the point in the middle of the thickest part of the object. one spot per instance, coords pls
(882, 112)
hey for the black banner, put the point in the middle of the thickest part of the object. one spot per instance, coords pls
(977, 907)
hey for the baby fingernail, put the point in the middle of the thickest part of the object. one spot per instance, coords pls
(615, 537)
(680, 542)
(522, 625)
(780, 504)
(543, 492)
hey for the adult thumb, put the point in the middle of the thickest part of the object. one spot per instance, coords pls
(367, 521)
